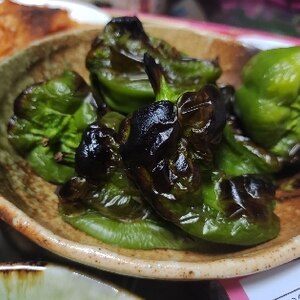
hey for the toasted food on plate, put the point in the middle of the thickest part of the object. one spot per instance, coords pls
(22, 24)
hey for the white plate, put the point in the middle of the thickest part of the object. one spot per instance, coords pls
(79, 11)
(263, 43)
(49, 281)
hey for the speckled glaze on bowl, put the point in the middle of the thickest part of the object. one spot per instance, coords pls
(29, 204)
(19, 281)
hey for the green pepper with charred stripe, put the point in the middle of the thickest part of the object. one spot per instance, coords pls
(116, 65)
(49, 118)
(268, 102)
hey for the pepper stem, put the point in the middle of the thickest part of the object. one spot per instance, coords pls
(157, 78)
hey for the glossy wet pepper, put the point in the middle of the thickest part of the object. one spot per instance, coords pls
(116, 65)
(48, 121)
(167, 151)
(102, 201)
(153, 179)
(268, 103)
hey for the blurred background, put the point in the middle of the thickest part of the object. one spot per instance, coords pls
(277, 16)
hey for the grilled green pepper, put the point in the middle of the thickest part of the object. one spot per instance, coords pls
(116, 65)
(47, 124)
(238, 155)
(268, 102)
(165, 150)
(161, 176)
(102, 201)
(167, 171)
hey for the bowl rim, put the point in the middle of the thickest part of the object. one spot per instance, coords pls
(145, 268)
(111, 261)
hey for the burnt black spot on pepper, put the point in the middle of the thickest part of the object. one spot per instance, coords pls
(95, 155)
(247, 196)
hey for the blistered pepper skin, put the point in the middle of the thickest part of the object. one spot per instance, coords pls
(157, 162)
(222, 206)
(117, 69)
(168, 149)
(238, 155)
(103, 201)
(268, 102)
(95, 154)
(236, 211)
(49, 118)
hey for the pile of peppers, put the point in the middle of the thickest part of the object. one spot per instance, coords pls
(155, 153)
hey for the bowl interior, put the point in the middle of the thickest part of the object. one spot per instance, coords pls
(29, 204)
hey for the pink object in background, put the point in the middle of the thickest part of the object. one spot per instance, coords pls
(281, 283)
(144, 6)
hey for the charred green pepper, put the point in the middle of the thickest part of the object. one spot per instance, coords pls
(268, 103)
(105, 203)
(238, 155)
(47, 124)
(174, 184)
(116, 65)
(165, 151)
(161, 176)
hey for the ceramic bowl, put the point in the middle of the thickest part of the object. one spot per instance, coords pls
(49, 281)
(29, 204)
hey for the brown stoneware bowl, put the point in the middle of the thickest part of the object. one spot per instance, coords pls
(29, 204)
